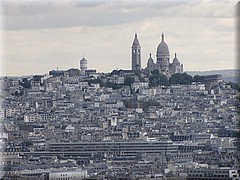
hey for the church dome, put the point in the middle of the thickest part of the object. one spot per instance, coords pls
(83, 60)
(175, 60)
(83, 64)
(163, 47)
(150, 60)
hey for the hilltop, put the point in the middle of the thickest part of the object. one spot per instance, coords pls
(231, 75)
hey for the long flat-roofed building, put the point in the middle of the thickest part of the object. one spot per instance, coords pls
(225, 173)
(115, 148)
(109, 149)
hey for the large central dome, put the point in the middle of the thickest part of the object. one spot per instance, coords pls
(163, 47)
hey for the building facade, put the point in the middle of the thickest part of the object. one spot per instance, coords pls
(218, 173)
(163, 64)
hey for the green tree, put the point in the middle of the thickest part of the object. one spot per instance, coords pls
(25, 83)
(235, 86)
(156, 79)
(115, 72)
(95, 81)
(198, 78)
(37, 78)
(181, 79)
(113, 85)
(16, 93)
(128, 81)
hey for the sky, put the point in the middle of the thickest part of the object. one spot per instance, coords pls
(38, 36)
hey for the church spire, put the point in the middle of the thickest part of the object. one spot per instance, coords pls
(162, 37)
(175, 55)
(136, 54)
(135, 41)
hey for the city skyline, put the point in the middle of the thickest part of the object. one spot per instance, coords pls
(41, 36)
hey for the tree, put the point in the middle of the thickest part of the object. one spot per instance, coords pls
(113, 85)
(198, 78)
(95, 81)
(115, 72)
(181, 79)
(128, 81)
(156, 79)
(25, 83)
(235, 86)
(37, 78)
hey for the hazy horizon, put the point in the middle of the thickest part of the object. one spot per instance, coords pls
(41, 36)
(189, 72)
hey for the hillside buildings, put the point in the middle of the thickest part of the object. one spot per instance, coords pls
(80, 124)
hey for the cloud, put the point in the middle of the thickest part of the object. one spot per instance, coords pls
(42, 35)
(59, 14)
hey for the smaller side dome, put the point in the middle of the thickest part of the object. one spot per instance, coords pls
(150, 60)
(175, 60)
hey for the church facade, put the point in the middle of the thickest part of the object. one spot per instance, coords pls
(162, 64)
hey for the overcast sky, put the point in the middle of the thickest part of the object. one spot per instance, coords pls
(38, 36)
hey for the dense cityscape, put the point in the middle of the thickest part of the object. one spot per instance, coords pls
(156, 122)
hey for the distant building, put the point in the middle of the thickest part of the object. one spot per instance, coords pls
(175, 66)
(83, 65)
(72, 72)
(162, 64)
(89, 72)
(219, 173)
(163, 56)
(213, 82)
(125, 149)
(55, 73)
(78, 174)
(136, 54)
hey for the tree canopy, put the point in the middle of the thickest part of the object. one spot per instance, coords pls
(25, 83)
(156, 79)
(198, 78)
(128, 81)
(181, 79)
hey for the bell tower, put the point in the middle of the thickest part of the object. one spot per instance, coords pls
(136, 54)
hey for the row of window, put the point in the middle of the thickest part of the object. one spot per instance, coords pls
(207, 175)
(63, 178)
